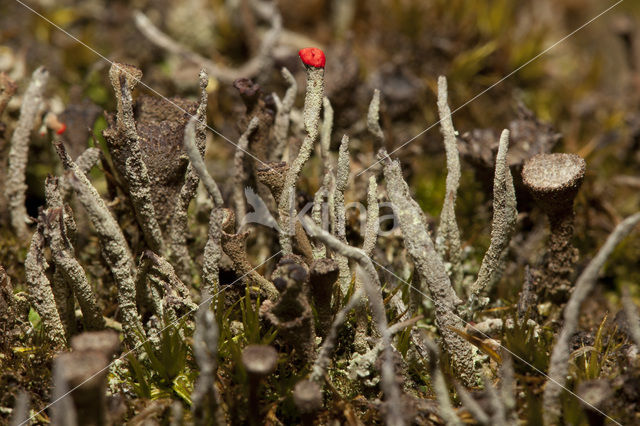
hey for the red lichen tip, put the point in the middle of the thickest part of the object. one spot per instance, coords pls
(61, 129)
(312, 56)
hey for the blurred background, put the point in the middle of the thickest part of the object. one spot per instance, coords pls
(582, 96)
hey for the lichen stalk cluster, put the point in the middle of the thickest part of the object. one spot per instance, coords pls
(115, 249)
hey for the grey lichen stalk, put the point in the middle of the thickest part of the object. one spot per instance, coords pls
(502, 226)
(431, 270)
(320, 212)
(372, 288)
(311, 115)
(178, 225)
(63, 256)
(125, 139)
(373, 116)
(372, 225)
(283, 115)
(448, 234)
(114, 246)
(340, 231)
(213, 247)
(325, 133)
(239, 175)
(40, 294)
(85, 161)
(559, 363)
(15, 186)
(198, 163)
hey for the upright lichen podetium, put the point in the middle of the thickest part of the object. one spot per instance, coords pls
(554, 180)
(314, 61)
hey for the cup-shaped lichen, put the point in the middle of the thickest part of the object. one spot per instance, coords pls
(554, 181)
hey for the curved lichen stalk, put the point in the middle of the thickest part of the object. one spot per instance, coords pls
(15, 186)
(431, 270)
(178, 226)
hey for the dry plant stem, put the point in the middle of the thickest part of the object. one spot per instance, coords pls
(503, 224)
(445, 408)
(340, 230)
(325, 133)
(85, 162)
(15, 185)
(198, 163)
(631, 312)
(239, 175)
(472, 406)
(448, 234)
(283, 119)
(205, 398)
(250, 69)
(178, 226)
(311, 115)
(372, 288)
(64, 258)
(114, 246)
(319, 368)
(372, 226)
(373, 117)
(431, 270)
(559, 363)
(123, 79)
(40, 291)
